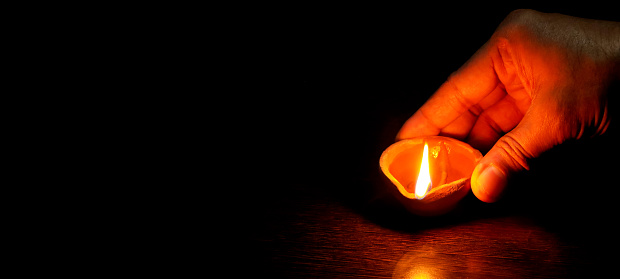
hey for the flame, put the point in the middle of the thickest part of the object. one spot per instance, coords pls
(423, 185)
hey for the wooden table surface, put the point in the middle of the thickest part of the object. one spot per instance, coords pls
(317, 205)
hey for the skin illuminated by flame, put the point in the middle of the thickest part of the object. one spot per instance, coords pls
(424, 177)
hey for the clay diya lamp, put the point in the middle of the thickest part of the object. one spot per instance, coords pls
(431, 174)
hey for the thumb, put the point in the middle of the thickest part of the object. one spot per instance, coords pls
(511, 153)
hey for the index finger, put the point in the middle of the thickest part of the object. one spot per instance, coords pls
(464, 89)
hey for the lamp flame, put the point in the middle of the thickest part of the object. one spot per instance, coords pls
(423, 185)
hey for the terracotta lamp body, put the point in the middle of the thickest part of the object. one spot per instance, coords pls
(450, 165)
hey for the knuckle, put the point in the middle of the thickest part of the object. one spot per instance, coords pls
(514, 152)
(522, 17)
(521, 14)
(517, 22)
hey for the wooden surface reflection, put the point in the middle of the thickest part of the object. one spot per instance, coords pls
(506, 247)
(312, 236)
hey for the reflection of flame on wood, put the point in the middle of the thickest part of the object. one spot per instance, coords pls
(478, 248)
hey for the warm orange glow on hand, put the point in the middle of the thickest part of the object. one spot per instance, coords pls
(535, 84)
(423, 185)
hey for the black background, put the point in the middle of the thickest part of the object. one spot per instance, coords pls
(329, 87)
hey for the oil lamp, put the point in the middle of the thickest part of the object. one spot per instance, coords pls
(431, 174)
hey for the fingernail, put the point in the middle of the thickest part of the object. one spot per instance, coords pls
(492, 181)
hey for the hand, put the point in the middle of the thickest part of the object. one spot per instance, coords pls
(541, 79)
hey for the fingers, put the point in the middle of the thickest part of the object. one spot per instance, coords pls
(537, 132)
(494, 122)
(463, 90)
(462, 126)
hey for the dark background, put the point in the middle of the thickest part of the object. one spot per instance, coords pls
(329, 88)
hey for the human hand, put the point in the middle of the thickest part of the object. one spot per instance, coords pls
(540, 80)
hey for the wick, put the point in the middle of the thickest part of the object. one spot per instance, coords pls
(429, 187)
(444, 164)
